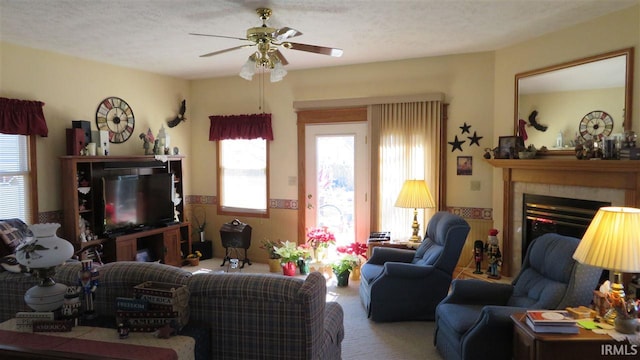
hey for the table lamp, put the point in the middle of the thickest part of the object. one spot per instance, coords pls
(416, 195)
(41, 255)
(612, 241)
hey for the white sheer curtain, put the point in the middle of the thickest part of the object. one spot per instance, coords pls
(405, 145)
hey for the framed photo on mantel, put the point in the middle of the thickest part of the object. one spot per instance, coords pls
(508, 147)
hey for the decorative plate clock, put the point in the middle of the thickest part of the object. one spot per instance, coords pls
(596, 125)
(115, 116)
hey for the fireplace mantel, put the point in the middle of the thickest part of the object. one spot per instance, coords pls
(608, 174)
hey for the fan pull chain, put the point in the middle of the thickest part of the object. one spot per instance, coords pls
(261, 90)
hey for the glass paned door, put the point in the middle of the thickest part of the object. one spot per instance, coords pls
(337, 180)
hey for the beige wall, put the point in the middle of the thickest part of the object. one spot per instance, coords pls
(611, 32)
(479, 88)
(466, 80)
(71, 89)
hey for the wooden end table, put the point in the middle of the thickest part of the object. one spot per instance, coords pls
(392, 244)
(529, 345)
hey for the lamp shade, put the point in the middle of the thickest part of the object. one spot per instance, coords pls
(612, 240)
(415, 195)
(249, 68)
(46, 249)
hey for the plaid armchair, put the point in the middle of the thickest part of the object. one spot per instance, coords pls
(261, 316)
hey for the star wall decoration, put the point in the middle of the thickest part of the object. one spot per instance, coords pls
(457, 144)
(475, 139)
(465, 128)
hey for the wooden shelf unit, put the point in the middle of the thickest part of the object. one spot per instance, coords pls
(81, 200)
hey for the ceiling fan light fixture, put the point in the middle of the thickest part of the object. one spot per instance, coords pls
(278, 72)
(249, 68)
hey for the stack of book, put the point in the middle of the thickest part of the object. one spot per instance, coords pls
(552, 321)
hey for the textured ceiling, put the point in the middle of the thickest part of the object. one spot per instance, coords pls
(152, 35)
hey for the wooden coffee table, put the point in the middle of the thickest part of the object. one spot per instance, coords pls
(585, 345)
(85, 342)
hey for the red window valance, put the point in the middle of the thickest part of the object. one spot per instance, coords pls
(22, 117)
(229, 127)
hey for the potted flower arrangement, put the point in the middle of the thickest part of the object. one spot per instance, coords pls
(342, 268)
(274, 258)
(360, 252)
(289, 256)
(320, 238)
(194, 258)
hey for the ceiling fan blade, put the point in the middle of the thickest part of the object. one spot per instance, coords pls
(225, 50)
(314, 49)
(220, 36)
(285, 33)
(281, 57)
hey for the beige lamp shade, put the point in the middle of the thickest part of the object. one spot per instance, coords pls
(612, 240)
(415, 195)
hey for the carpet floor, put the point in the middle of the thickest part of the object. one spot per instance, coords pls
(364, 339)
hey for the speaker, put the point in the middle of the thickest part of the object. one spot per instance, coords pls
(86, 128)
(101, 138)
(205, 247)
(75, 141)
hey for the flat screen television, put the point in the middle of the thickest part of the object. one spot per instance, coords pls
(136, 202)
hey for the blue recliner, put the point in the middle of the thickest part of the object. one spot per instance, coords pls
(406, 285)
(473, 321)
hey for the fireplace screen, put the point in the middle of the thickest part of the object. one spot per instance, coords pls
(549, 214)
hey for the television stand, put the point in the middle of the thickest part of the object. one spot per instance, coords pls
(84, 210)
(166, 244)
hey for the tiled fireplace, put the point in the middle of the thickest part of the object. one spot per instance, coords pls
(614, 182)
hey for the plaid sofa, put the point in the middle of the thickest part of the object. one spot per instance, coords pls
(232, 316)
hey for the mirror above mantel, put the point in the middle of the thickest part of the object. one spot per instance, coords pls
(562, 95)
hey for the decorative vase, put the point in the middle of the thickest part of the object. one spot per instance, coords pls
(355, 273)
(319, 254)
(626, 326)
(343, 278)
(201, 236)
(303, 265)
(289, 268)
(274, 265)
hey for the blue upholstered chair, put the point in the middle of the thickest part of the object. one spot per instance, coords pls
(473, 321)
(406, 285)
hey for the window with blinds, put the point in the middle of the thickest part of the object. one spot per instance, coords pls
(243, 177)
(14, 177)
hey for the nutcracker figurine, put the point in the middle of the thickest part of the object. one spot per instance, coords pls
(493, 252)
(478, 251)
(88, 279)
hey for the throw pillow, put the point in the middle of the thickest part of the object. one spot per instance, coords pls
(9, 263)
(11, 237)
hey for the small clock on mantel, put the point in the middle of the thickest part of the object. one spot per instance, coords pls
(596, 125)
(115, 116)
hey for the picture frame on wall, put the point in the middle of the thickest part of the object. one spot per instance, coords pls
(508, 147)
(464, 165)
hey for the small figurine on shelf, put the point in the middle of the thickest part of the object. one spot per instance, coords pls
(495, 257)
(71, 305)
(478, 251)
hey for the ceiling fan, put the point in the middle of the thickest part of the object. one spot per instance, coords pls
(268, 40)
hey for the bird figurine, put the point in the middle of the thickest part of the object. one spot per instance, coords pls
(534, 122)
(180, 117)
